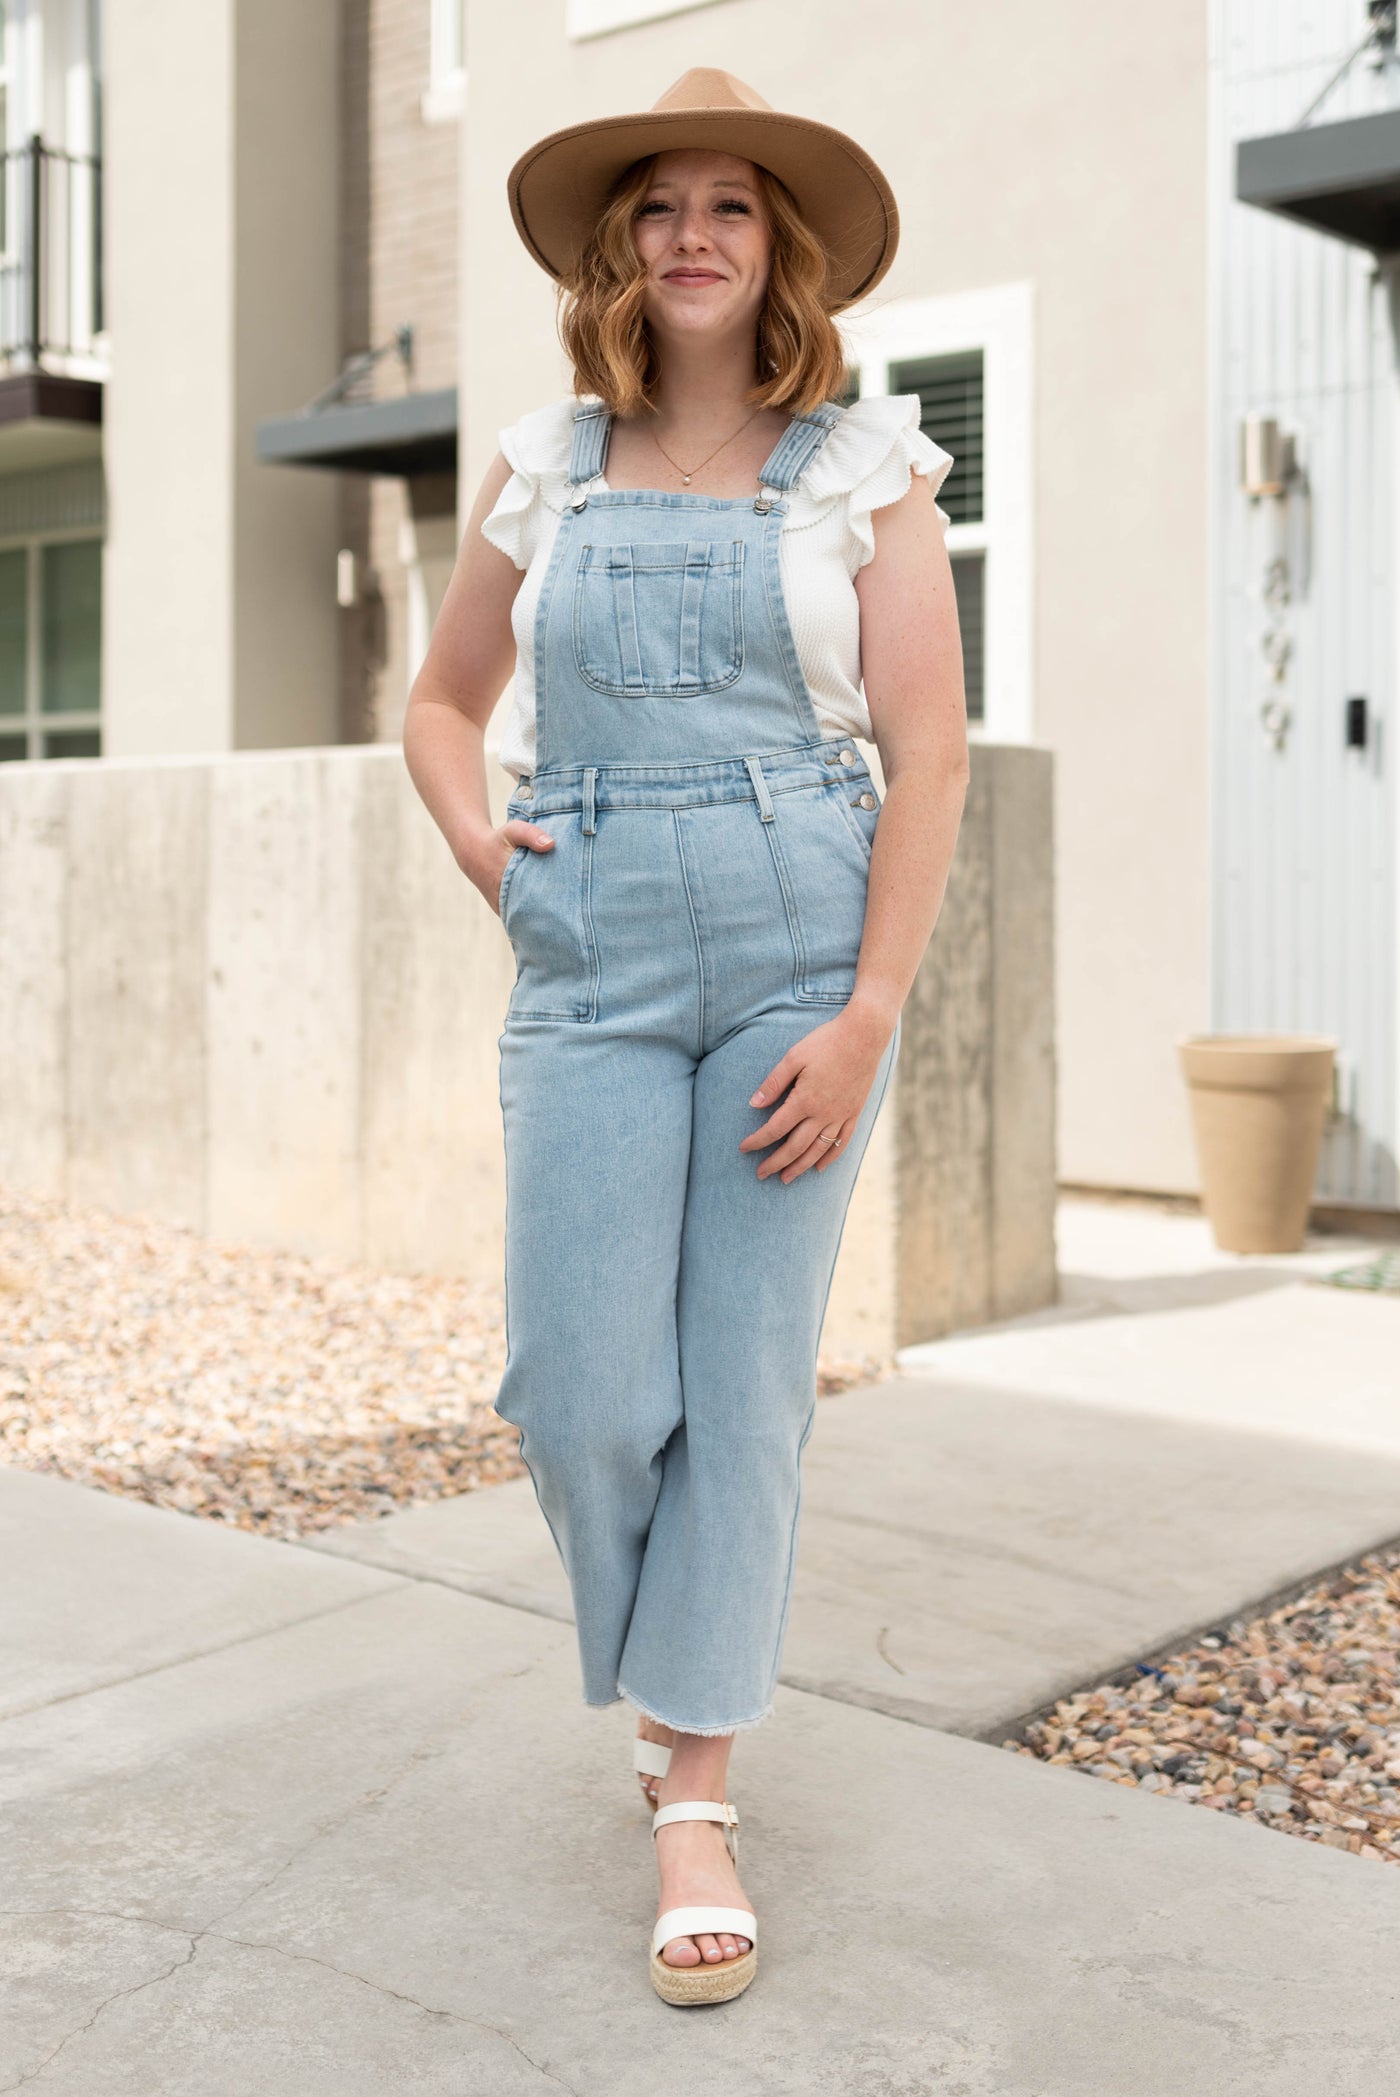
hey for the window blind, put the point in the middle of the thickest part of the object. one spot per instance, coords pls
(950, 412)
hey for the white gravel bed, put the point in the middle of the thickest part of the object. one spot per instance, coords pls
(1290, 1718)
(269, 1390)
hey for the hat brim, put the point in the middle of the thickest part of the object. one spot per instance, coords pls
(558, 187)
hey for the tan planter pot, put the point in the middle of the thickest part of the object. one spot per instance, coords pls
(1259, 1103)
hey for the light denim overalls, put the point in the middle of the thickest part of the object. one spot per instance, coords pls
(700, 911)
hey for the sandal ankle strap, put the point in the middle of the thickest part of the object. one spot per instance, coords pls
(719, 1810)
(697, 1809)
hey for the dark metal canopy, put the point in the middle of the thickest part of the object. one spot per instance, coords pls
(413, 434)
(1342, 179)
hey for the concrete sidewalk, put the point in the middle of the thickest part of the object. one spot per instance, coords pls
(331, 1820)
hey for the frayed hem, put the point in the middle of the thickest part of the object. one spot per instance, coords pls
(659, 1718)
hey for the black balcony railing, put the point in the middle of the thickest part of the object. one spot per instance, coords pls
(50, 254)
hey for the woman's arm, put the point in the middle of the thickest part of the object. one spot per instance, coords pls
(911, 660)
(469, 659)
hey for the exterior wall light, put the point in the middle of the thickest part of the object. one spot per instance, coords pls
(1267, 462)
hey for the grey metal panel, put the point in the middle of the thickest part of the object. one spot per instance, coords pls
(416, 433)
(1304, 933)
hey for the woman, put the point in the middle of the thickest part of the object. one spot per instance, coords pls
(688, 565)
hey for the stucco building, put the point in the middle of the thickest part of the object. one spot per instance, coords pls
(269, 209)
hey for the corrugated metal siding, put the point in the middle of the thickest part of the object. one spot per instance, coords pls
(1305, 882)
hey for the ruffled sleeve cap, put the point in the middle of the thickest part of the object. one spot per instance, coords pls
(537, 450)
(870, 458)
(867, 461)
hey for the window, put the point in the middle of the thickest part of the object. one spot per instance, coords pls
(950, 391)
(967, 358)
(447, 61)
(596, 17)
(51, 648)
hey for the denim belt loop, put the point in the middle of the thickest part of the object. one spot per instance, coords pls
(760, 787)
(590, 819)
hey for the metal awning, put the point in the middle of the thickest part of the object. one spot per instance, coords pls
(413, 434)
(1342, 179)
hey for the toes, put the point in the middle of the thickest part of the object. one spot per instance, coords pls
(709, 1950)
(681, 1952)
(728, 1946)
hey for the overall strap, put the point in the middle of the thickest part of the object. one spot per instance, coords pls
(798, 446)
(592, 424)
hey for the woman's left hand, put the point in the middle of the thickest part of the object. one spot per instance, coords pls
(827, 1077)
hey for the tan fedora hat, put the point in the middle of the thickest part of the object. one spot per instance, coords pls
(558, 187)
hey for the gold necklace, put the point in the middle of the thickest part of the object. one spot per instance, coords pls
(713, 455)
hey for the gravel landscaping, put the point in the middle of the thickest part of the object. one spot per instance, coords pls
(1290, 1718)
(268, 1390)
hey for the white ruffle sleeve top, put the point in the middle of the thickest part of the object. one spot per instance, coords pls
(826, 538)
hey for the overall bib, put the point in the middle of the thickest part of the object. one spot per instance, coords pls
(700, 911)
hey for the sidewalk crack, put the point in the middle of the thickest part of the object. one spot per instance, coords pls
(117, 1995)
(285, 1951)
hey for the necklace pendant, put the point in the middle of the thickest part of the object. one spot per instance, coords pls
(686, 478)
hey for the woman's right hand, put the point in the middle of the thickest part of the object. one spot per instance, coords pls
(497, 846)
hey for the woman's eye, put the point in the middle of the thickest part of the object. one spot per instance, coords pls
(650, 210)
(735, 204)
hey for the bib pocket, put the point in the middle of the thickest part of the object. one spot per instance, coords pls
(547, 915)
(660, 620)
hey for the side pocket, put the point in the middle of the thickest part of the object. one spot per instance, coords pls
(860, 821)
(550, 927)
(507, 875)
(822, 863)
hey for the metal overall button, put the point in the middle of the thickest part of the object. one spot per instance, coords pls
(866, 801)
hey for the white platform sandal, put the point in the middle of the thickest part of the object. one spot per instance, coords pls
(705, 1982)
(650, 1759)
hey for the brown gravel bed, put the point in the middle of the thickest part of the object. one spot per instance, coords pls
(1291, 1718)
(267, 1390)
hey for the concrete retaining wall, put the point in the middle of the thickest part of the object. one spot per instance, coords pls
(252, 994)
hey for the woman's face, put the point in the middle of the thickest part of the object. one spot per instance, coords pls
(703, 234)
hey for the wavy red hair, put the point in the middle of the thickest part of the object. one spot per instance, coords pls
(801, 358)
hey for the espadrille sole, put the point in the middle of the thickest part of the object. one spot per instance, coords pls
(691, 1984)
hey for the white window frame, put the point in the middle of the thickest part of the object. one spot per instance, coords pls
(443, 99)
(33, 723)
(585, 18)
(998, 321)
